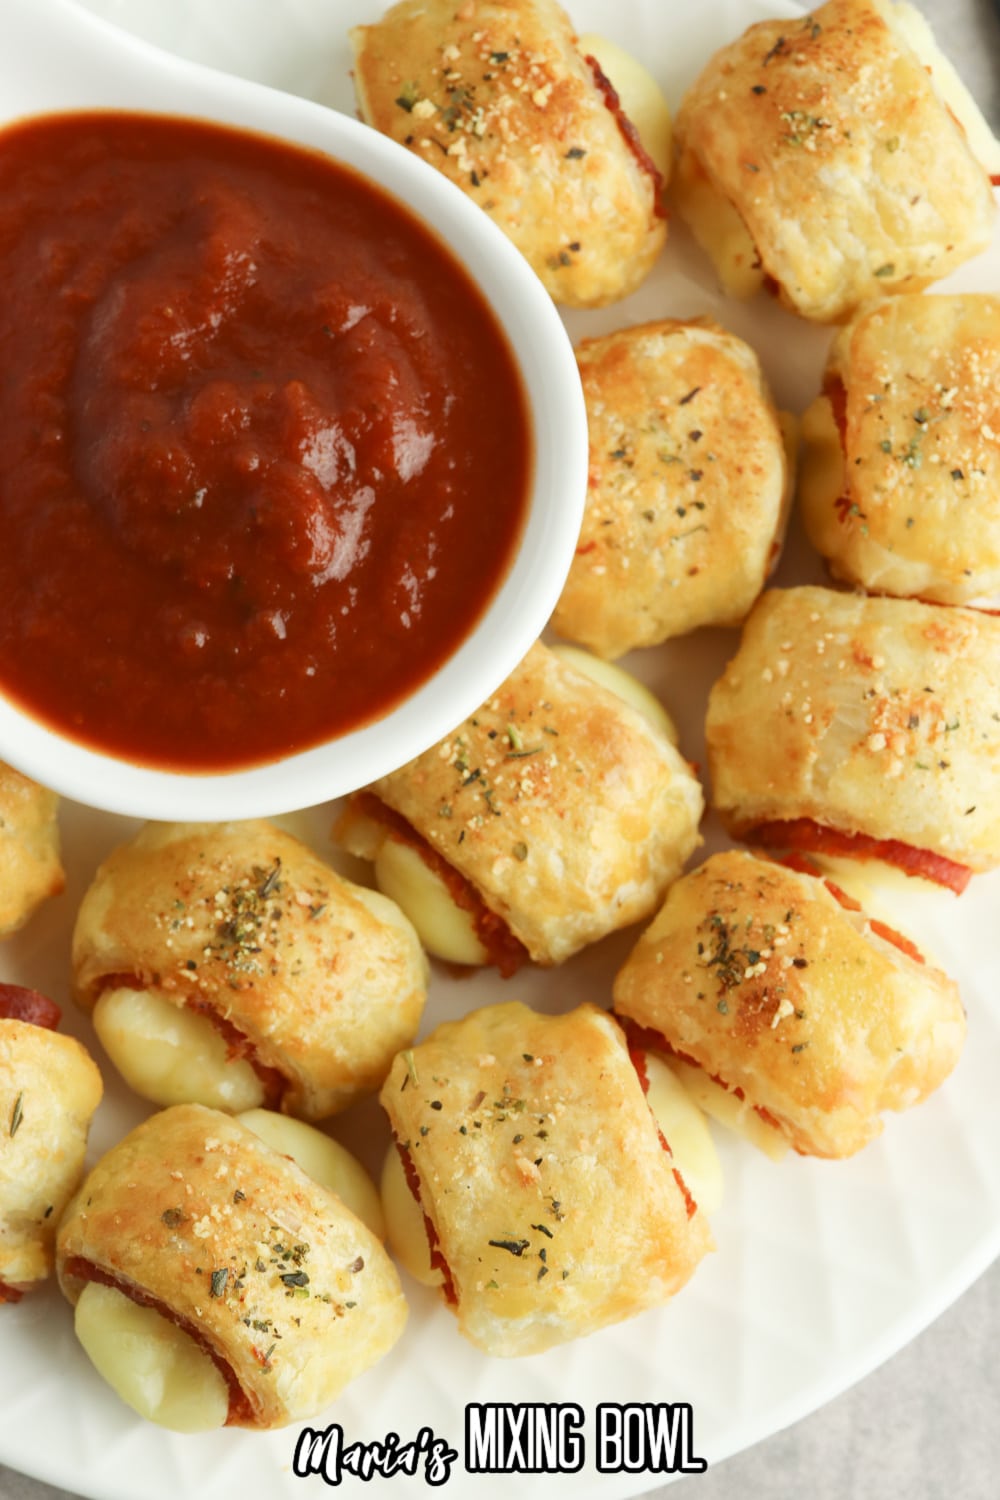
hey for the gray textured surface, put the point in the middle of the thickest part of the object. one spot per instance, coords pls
(927, 1424)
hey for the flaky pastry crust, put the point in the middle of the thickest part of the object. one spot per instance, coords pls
(828, 138)
(758, 974)
(49, 1090)
(30, 867)
(872, 716)
(561, 805)
(912, 410)
(689, 486)
(290, 1293)
(497, 97)
(541, 1169)
(325, 979)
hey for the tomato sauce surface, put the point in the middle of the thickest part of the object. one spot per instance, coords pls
(265, 452)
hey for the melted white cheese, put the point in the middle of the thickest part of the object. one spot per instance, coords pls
(154, 1366)
(623, 684)
(686, 1132)
(639, 94)
(912, 27)
(736, 1114)
(172, 1055)
(404, 1223)
(323, 1159)
(446, 930)
(718, 229)
(821, 474)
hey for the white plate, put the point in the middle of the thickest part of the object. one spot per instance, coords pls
(822, 1270)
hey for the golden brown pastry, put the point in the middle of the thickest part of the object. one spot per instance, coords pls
(496, 95)
(30, 867)
(779, 987)
(556, 814)
(868, 727)
(49, 1090)
(822, 155)
(688, 491)
(901, 463)
(227, 964)
(283, 1292)
(544, 1180)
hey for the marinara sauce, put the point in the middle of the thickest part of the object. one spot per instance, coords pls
(264, 452)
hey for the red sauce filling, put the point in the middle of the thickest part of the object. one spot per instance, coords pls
(995, 179)
(637, 1055)
(889, 934)
(804, 833)
(241, 1413)
(505, 951)
(836, 394)
(20, 1004)
(647, 1039)
(631, 135)
(250, 412)
(9, 1294)
(438, 1262)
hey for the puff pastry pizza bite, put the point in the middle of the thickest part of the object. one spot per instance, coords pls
(215, 1283)
(226, 964)
(901, 456)
(552, 1204)
(824, 156)
(498, 97)
(30, 866)
(49, 1090)
(554, 815)
(864, 727)
(777, 989)
(689, 486)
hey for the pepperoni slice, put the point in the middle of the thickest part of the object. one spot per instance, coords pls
(805, 834)
(20, 1004)
(438, 1262)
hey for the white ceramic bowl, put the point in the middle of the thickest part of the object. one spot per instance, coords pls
(54, 57)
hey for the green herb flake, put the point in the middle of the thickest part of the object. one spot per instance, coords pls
(219, 1280)
(520, 851)
(513, 1247)
(16, 1115)
(409, 97)
(889, 269)
(172, 1217)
